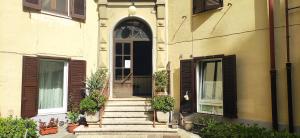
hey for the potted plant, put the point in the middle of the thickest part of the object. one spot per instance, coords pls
(91, 105)
(163, 104)
(161, 82)
(72, 117)
(51, 128)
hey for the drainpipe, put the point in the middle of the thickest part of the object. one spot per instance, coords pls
(289, 71)
(273, 67)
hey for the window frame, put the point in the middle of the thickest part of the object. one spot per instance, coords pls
(203, 4)
(55, 13)
(63, 109)
(199, 88)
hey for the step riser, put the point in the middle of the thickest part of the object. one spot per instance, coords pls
(125, 119)
(128, 109)
(128, 114)
(125, 103)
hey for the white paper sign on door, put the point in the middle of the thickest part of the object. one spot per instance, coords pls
(127, 64)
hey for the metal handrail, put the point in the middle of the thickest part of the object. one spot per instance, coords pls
(105, 92)
(126, 78)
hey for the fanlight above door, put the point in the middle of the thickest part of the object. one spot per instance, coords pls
(133, 29)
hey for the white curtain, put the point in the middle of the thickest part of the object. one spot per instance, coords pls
(51, 76)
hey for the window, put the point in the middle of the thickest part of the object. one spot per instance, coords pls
(76, 9)
(205, 5)
(56, 6)
(53, 78)
(210, 87)
(122, 60)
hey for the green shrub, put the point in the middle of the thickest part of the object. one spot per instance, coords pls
(97, 80)
(161, 80)
(16, 128)
(98, 98)
(218, 129)
(89, 105)
(163, 103)
(73, 117)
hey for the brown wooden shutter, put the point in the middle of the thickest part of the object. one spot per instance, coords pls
(187, 83)
(78, 9)
(77, 74)
(229, 86)
(213, 4)
(33, 4)
(29, 103)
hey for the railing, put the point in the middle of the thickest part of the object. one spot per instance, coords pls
(105, 92)
(126, 78)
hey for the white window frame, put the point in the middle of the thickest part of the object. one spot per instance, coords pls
(68, 16)
(65, 93)
(199, 80)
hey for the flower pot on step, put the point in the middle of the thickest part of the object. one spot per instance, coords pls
(162, 117)
(92, 117)
(71, 127)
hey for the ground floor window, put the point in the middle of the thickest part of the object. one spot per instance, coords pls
(53, 78)
(210, 87)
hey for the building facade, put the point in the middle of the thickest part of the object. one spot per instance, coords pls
(218, 52)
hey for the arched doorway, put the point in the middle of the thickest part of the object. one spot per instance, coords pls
(132, 59)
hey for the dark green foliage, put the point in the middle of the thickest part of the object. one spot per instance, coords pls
(93, 102)
(213, 128)
(163, 103)
(16, 128)
(161, 80)
(89, 105)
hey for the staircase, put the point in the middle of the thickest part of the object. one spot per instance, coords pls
(127, 116)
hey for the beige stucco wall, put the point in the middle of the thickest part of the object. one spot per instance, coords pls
(241, 29)
(38, 34)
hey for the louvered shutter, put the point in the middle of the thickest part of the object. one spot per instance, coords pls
(29, 103)
(213, 4)
(34, 4)
(78, 10)
(77, 74)
(187, 81)
(229, 86)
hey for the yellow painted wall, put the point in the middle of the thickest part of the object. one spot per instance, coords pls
(241, 29)
(38, 34)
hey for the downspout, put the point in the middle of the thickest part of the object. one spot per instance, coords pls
(289, 71)
(273, 71)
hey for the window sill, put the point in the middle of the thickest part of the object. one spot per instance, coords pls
(56, 14)
(42, 112)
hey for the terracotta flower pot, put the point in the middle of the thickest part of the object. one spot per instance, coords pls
(47, 131)
(71, 127)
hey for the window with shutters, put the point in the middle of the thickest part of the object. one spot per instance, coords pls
(205, 5)
(210, 87)
(53, 86)
(75, 9)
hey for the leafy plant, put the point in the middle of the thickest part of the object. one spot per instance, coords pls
(219, 129)
(163, 103)
(17, 128)
(161, 80)
(98, 97)
(73, 117)
(89, 105)
(97, 80)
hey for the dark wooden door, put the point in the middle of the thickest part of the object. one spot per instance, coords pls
(123, 64)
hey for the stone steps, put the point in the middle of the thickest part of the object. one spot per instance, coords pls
(128, 114)
(131, 108)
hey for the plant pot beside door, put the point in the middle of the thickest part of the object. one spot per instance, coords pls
(161, 82)
(72, 118)
(163, 105)
(92, 105)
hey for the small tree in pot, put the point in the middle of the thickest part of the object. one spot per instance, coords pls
(163, 105)
(161, 82)
(72, 117)
(91, 105)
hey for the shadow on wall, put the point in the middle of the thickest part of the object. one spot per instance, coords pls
(176, 88)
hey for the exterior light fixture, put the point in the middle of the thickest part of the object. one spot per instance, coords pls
(132, 9)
